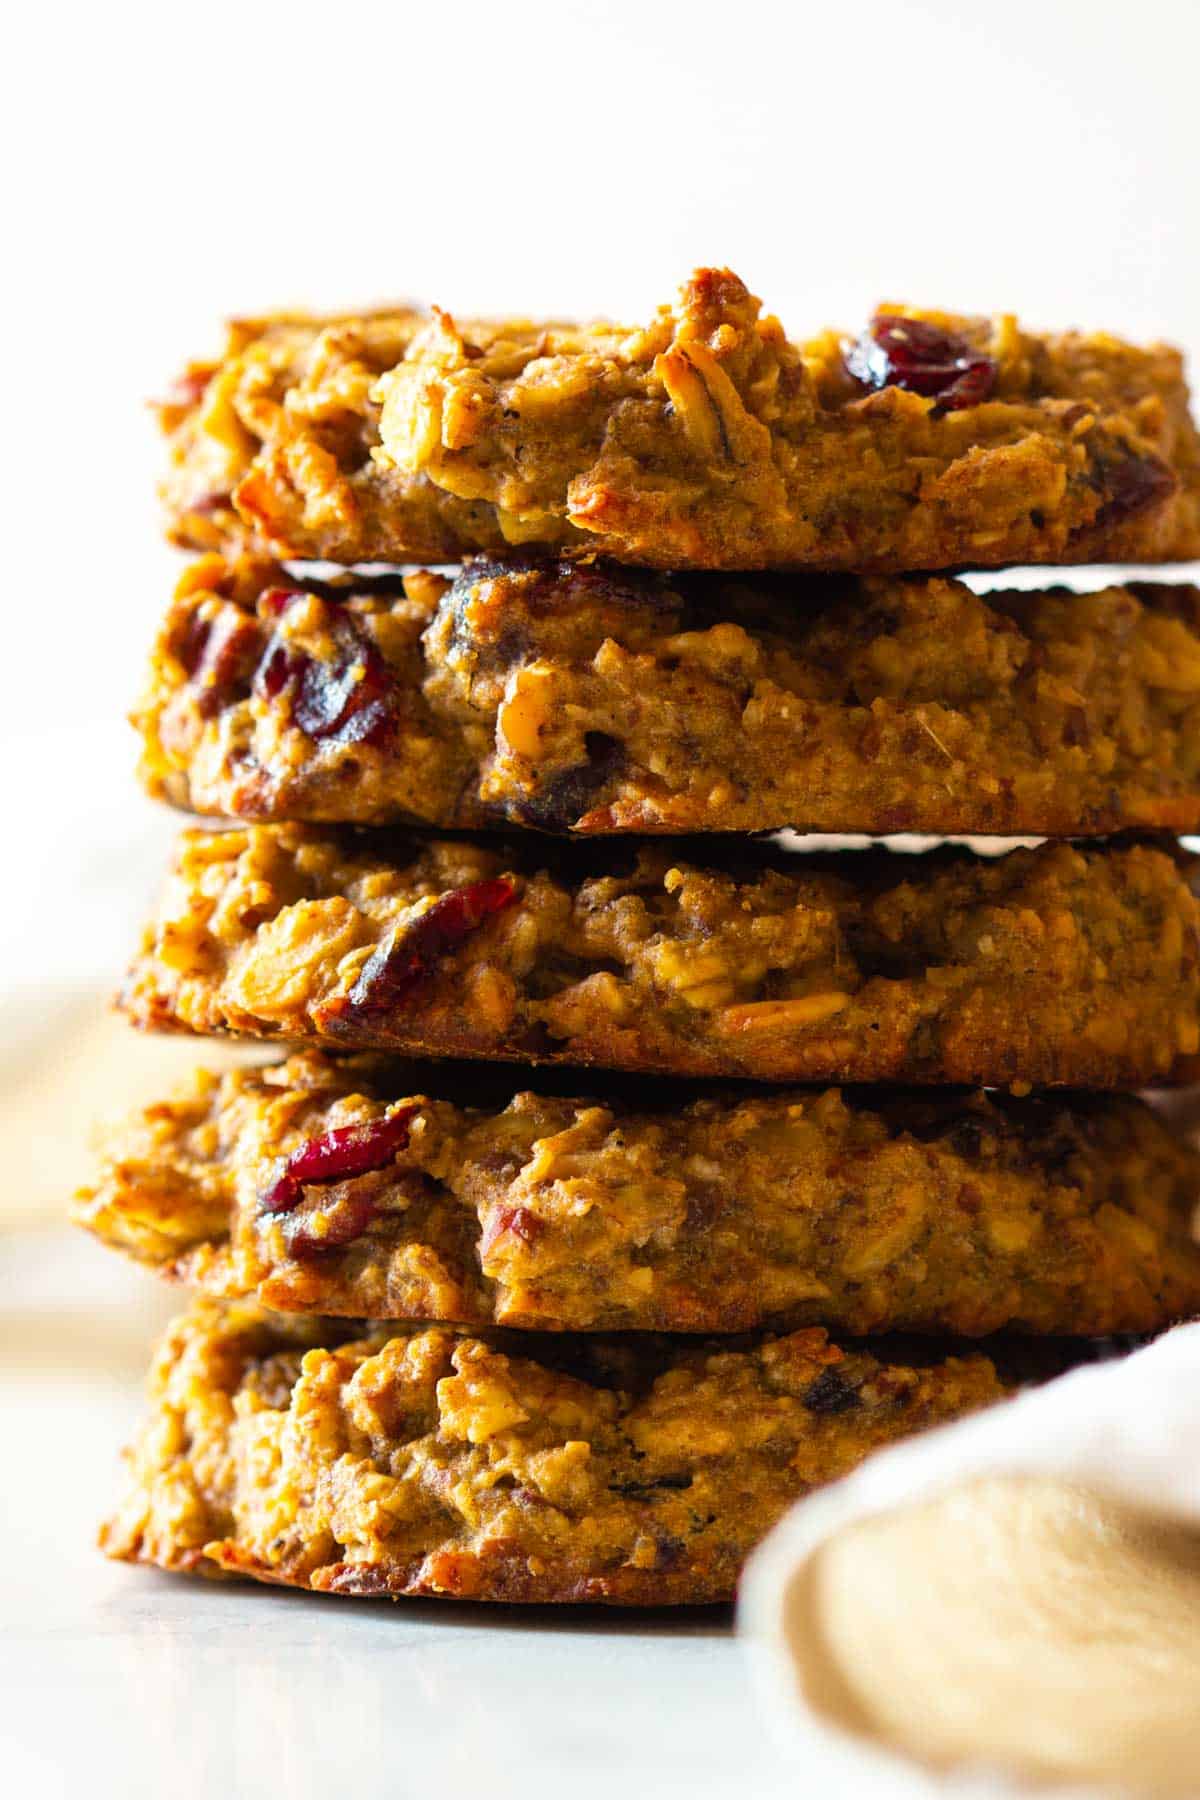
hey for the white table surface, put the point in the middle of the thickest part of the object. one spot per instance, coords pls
(123, 1682)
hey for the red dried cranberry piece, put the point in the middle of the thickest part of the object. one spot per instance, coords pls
(1131, 485)
(406, 959)
(190, 643)
(337, 1156)
(330, 696)
(218, 655)
(342, 1224)
(352, 1149)
(911, 354)
(279, 663)
(368, 722)
(227, 662)
(347, 698)
(564, 799)
(515, 1219)
(281, 1196)
(277, 668)
(274, 602)
(831, 1392)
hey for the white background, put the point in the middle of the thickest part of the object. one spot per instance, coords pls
(167, 164)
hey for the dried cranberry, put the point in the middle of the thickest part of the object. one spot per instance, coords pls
(275, 601)
(190, 642)
(831, 1393)
(218, 655)
(278, 666)
(341, 1225)
(352, 1149)
(908, 353)
(347, 698)
(406, 959)
(328, 694)
(517, 1220)
(228, 661)
(562, 801)
(1130, 485)
(336, 1156)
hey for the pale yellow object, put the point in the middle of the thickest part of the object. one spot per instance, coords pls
(1017, 1619)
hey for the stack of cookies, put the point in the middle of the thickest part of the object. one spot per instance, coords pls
(624, 1172)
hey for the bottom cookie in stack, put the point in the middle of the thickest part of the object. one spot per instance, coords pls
(564, 1461)
(371, 1461)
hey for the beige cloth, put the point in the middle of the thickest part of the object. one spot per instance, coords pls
(1005, 1605)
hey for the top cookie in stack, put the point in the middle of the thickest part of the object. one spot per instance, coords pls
(695, 596)
(706, 440)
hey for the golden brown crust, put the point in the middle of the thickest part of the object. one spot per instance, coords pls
(951, 1214)
(439, 1464)
(1053, 966)
(581, 698)
(704, 440)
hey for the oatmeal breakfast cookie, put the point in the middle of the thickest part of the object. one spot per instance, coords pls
(706, 439)
(434, 1463)
(1056, 965)
(585, 698)
(336, 1187)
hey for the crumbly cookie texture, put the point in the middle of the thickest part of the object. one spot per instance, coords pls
(327, 1187)
(584, 698)
(1051, 966)
(706, 439)
(435, 1463)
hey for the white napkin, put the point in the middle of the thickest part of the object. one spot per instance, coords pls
(1007, 1604)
